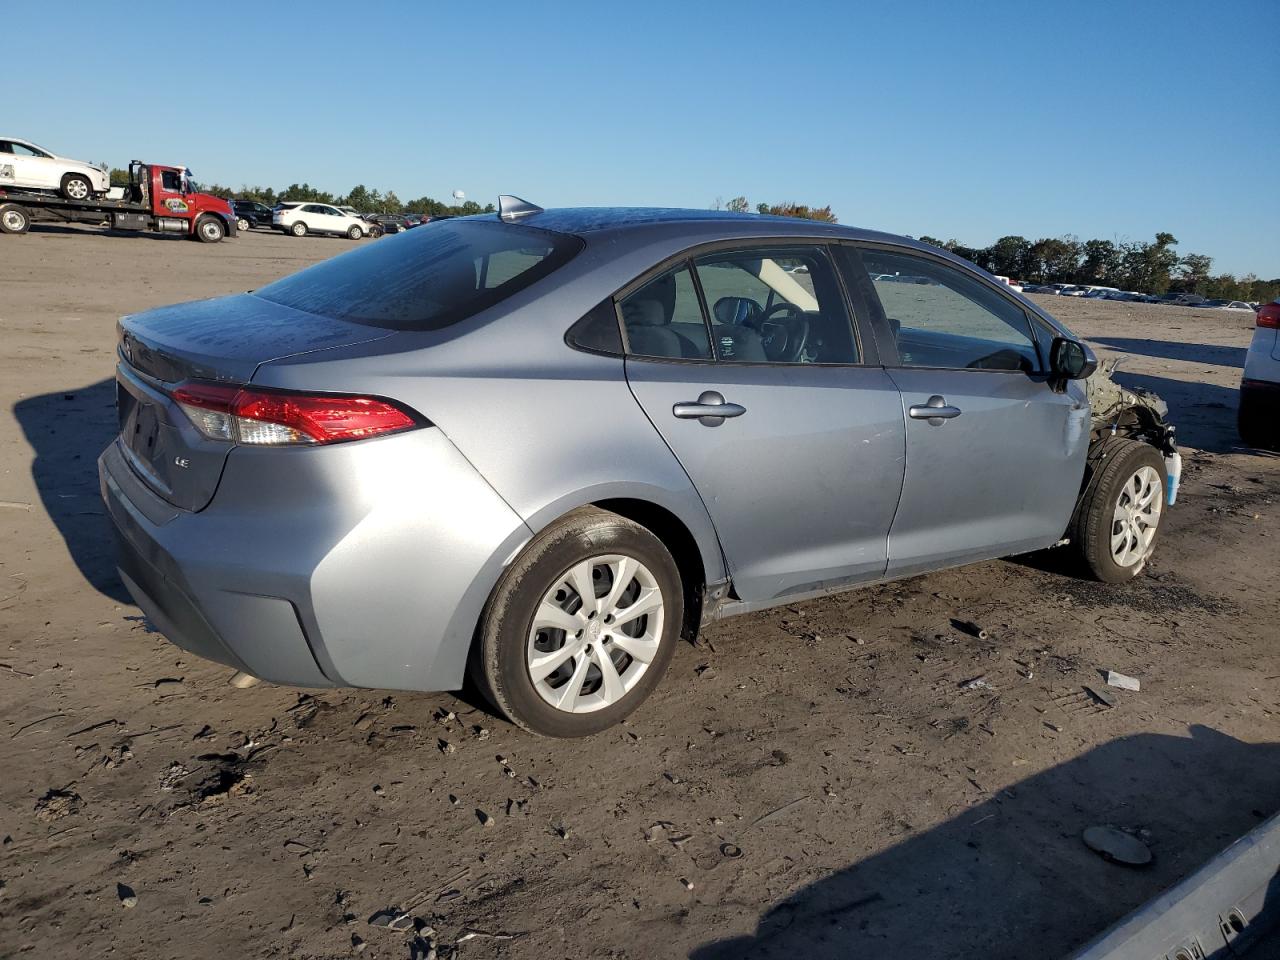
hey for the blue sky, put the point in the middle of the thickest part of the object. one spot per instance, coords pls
(969, 120)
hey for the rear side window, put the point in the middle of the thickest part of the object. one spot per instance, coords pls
(663, 319)
(427, 278)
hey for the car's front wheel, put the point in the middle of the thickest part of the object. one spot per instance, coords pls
(581, 627)
(355, 233)
(76, 187)
(1117, 520)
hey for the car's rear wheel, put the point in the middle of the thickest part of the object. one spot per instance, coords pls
(355, 233)
(1258, 425)
(581, 627)
(1117, 521)
(76, 187)
(14, 219)
(299, 229)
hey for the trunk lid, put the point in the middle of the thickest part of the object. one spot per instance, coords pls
(223, 340)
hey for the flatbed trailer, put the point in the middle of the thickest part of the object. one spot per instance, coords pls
(157, 198)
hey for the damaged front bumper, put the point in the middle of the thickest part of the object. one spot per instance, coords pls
(1140, 414)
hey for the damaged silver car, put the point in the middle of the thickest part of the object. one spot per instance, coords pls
(539, 446)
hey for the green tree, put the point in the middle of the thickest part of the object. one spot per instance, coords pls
(1053, 258)
(1148, 267)
(1193, 272)
(1100, 263)
(737, 205)
(1008, 257)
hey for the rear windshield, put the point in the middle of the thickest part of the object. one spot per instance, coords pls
(428, 278)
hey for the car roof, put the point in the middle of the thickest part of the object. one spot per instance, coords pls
(597, 223)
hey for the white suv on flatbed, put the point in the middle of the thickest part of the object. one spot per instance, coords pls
(24, 165)
(300, 218)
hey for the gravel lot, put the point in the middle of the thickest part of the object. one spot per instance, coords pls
(813, 781)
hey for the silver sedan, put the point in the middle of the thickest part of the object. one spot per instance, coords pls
(540, 446)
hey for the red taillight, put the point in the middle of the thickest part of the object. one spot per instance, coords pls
(253, 415)
(1269, 315)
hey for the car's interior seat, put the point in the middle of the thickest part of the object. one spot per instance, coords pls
(648, 331)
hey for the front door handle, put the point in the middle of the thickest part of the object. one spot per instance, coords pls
(935, 411)
(709, 410)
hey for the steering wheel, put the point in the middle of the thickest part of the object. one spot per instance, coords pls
(784, 337)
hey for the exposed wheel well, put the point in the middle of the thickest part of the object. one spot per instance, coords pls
(670, 529)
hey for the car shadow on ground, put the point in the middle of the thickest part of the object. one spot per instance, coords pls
(1011, 877)
(1204, 413)
(1173, 350)
(67, 429)
(106, 231)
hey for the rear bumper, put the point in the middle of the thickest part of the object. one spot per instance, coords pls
(343, 569)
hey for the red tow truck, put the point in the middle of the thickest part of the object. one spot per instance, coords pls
(157, 198)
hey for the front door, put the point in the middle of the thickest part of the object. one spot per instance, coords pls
(753, 374)
(169, 200)
(995, 456)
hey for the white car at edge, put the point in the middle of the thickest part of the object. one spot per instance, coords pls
(25, 165)
(1259, 414)
(302, 217)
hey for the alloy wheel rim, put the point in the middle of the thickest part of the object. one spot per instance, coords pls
(78, 189)
(595, 633)
(1136, 517)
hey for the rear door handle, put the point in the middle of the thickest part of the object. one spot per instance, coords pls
(710, 409)
(935, 411)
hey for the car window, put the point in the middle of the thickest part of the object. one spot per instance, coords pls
(22, 150)
(425, 281)
(171, 181)
(496, 268)
(663, 319)
(313, 208)
(941, 317)
(776, 305)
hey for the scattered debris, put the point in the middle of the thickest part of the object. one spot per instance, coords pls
(658, 831)
(484, 818)
(15, 505)
(730, 851)
(785, 808)
(686, 883)
(167, 682)
(470, 934)
(1121, 682)
(971, 628)
(1106, 699)
(56, 804)
(35, 723)
(977, 683)
(1117, 846)
(392, 918)
(128, 899)
(243, 681)
(445, 747)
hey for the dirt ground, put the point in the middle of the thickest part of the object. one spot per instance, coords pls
(814, 781)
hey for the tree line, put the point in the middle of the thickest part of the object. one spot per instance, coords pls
(1153, 267)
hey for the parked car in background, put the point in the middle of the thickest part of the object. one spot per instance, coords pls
(388, 222)
(412, 220)
(251, 213)
(361, 475)
(1259, 414)
(1011, 284)
(300, 219)
(1072, 290)
(24, 165)
(1223, 304)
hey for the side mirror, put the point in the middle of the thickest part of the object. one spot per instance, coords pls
(1071, 359)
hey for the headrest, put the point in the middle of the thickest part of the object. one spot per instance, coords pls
(643, 313)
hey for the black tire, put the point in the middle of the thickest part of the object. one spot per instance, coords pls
(14, 219)
(76, 186)
(355, 233)
(499, 666)
(209, 230)
(1113, 464)
(1258, 426)
(299, 229)
(375, 231)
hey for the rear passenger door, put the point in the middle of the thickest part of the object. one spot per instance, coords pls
(995, 455)
(761, 386)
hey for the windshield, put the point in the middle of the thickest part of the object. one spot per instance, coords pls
(189, 183)
(427, 278)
